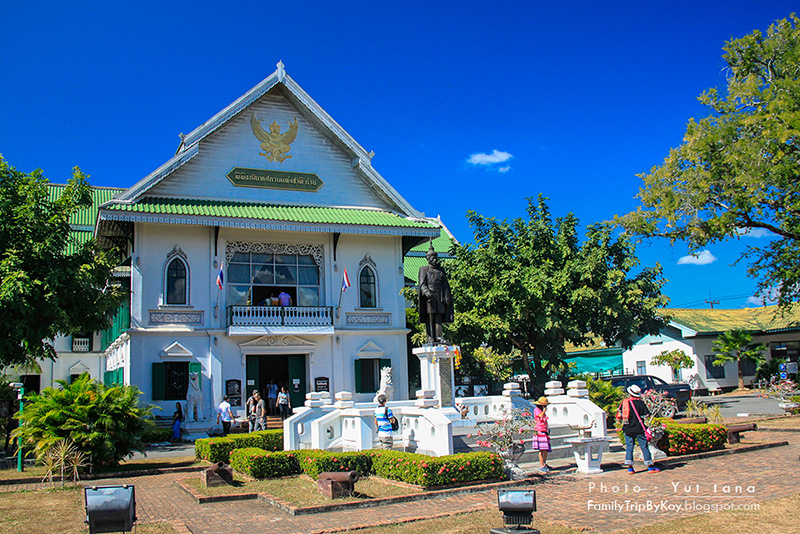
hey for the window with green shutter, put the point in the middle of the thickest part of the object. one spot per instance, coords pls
(368, 373)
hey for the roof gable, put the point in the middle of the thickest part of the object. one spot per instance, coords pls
(280, 94)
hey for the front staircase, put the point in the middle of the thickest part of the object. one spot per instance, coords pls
(465, 438)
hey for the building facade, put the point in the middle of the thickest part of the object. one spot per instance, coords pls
(266, 250)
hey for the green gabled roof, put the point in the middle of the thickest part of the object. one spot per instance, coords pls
(712, 321)
(269, 212)
(86, 216)
(415, 258)
(441, 244)
(77, 239)
(411, 265)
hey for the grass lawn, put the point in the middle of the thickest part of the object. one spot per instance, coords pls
(774, 517)
(301, 490)
(131, 465)
(782, 422)
(38, 512)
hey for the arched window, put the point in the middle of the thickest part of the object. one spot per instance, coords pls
(176, 283)
(367, 288)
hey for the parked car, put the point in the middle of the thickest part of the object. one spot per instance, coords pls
(680, 393)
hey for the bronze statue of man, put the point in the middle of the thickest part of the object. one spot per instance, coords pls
(435, 300)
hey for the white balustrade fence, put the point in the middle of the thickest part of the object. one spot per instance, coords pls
(348, 426)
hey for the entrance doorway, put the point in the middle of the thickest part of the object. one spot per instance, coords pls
(287, 370)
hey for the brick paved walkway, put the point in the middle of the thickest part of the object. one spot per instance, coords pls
(607, 502)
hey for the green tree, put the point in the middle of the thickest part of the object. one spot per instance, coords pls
(44, 290)
(105, 423)
(738, 170)
(532, 286)
(496, 364)
(735, 346)
(675, 359)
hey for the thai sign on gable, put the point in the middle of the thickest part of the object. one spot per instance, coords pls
(267, 179)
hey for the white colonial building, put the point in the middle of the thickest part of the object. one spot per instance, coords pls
(273, 193)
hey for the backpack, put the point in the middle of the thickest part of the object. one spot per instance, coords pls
(393, 420)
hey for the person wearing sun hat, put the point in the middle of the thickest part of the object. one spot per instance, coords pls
(632, 412)
(541, 431)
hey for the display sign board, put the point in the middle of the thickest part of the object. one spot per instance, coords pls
(791, 367)
(267, 179)
(322, 383)
(233, 389)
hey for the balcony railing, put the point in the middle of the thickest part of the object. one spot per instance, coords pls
(280, 316)
(81, 344)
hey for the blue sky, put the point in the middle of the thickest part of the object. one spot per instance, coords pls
(467, 105)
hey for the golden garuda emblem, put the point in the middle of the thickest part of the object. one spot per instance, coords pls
(274, 143)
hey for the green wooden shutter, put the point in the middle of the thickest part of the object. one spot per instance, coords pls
(159, 381)
(297, 369)
(251, 377)
(358, 376)
(385, 362)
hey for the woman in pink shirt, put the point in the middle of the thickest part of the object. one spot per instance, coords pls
(541, 440)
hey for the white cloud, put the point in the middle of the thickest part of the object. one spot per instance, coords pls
(504, 169)
(489, 159)
(767, 299)
(754, 232)
(704, 257)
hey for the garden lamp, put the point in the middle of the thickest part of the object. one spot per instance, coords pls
(110, 508)
(517, 506)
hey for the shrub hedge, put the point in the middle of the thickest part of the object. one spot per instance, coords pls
(429, 471)
(219, 449)
(689, 439)
(313, 462)
(419, 469)
(259, 463)
(680, 439)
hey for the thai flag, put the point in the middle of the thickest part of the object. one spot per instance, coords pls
(345, 281)
(220, 275)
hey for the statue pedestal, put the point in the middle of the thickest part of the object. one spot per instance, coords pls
(437, 373)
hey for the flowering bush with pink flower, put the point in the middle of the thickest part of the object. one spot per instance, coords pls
(689, 439)
(430, 471)
(511, 429)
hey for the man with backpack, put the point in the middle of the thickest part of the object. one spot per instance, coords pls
(385, 421)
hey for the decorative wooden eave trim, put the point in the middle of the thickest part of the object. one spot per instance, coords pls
(253, 224)
(155, 177)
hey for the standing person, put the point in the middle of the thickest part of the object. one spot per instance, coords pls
(541, 429)
(177, 419)
(260, 413)
(224, 414)
(283, 403)
(250, 408)
(383, 420)
(285, 298)
(632, 412)
(272, 398)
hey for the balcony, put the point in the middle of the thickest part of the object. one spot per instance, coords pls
(81, 344)
(280, 319)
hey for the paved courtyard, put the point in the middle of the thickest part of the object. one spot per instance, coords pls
(607, 502)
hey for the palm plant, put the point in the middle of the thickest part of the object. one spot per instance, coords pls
(105, 423)
(735, 346)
